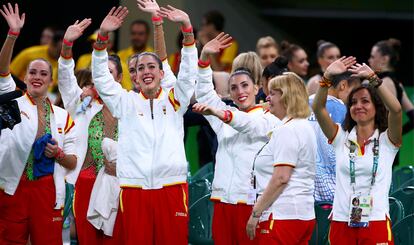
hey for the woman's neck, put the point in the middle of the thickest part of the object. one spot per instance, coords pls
(152, 94)
(364, 132)
(37, 98)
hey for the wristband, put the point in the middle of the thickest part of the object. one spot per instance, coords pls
(228, 116)
(374, 81)
(203, 64)
(101, 46)
(12, 33)
(59, 154)
(156, 18)
(65, 57)
(67, 43)
(187, 30)
(102, 38)
(256, 215)
(325, 82)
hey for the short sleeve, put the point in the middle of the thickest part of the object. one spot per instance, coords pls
(339, 136)
(286, 147)
(385, 140)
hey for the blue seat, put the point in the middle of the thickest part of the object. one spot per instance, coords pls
(406, 196)
(396, 210)
(400, 176)
(198, 189)
(320, 233)
(203, 172)
(403, 231)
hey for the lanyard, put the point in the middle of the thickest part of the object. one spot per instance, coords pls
(253, 176)
(352, 154)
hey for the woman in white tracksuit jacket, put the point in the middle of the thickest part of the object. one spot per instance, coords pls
(236, 150)
(151, 164)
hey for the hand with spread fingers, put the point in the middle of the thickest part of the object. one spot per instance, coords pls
(149, 6)
(12, 16)
(214, 46)
(341, 65)
(113, 20)
(175, 15)
(362, 71)
(76, 30)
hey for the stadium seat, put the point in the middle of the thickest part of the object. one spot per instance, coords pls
(320, 233)
(203, 171)
(403, 231)
(396, 210)
(201, 219)
(408, 183)
(198, 189)
(401, 175)
(406, 196)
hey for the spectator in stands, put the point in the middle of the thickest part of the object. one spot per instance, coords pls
(276, 68)
(251, 61)
(384, 59)
(49, 52)
(47, 35)
(139, 32)
(236, 150)
(267, 49)
(212, 25)
(35, 155)
(337, 98)
(365, 147)
(297, 58)
(326, 53)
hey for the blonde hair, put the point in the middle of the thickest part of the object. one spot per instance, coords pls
(251, 62)
(266, 42)
(294, 95)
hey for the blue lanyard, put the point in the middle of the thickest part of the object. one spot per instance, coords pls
(352, 154)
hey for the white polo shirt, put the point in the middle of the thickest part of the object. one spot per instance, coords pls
(292, 144)
(363, 173)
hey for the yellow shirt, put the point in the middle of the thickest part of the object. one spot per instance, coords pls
(84, 62)
(227, 55)
(124, 56)
(19, 64)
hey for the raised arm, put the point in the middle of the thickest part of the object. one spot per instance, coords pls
(183, 90)
(15, 22)
(108, 89)
(68, 85)
(328, 126)
(151, 6)
(389, 100)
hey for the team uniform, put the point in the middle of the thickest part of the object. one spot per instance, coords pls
(151, 164)
(325, 159)
(379, 228)
(291, 218)
(234, 159)
(31, 204)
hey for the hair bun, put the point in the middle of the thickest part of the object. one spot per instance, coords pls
(394, 43)
(285, 45)
(281, 62)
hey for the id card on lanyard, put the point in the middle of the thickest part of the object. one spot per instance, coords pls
(360, 206)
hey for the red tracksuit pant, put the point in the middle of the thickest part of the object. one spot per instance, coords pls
(30, 211)
(87, 234)
(155, 217)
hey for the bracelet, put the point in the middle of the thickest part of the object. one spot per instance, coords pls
(256, 215)
(65, 57)
(59, 154)
(325, 82)
(12, 37)
(187, 30)
(374, 81)
(102, 47)
(12, 33)
(156, 18)
(102, 38)
(67, 43)
(228, 116)
(203, 64)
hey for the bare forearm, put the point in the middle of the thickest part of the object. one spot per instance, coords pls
(159, 40)
(271, 193)
(68, 162)
(6, 54)
(389, 100)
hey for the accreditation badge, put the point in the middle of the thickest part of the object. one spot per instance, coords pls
(252, 194)
(359, 210)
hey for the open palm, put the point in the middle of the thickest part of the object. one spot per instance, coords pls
(340, 66)
(114, 19)
(174, 14)
(12, 16)
(219, 43)
(362, 71)
(149, 6)
(76, 30)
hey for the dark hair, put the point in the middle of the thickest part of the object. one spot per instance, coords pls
(46, 61)
(391, 48)
(347, 75)
(84, 77)
(58, 36)
(141, 22)
(216, 18)
(242, 71)
(381, 115)
(289, 49)
(277, 67)
(153, 55)
(323, 46)
(117, 61)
